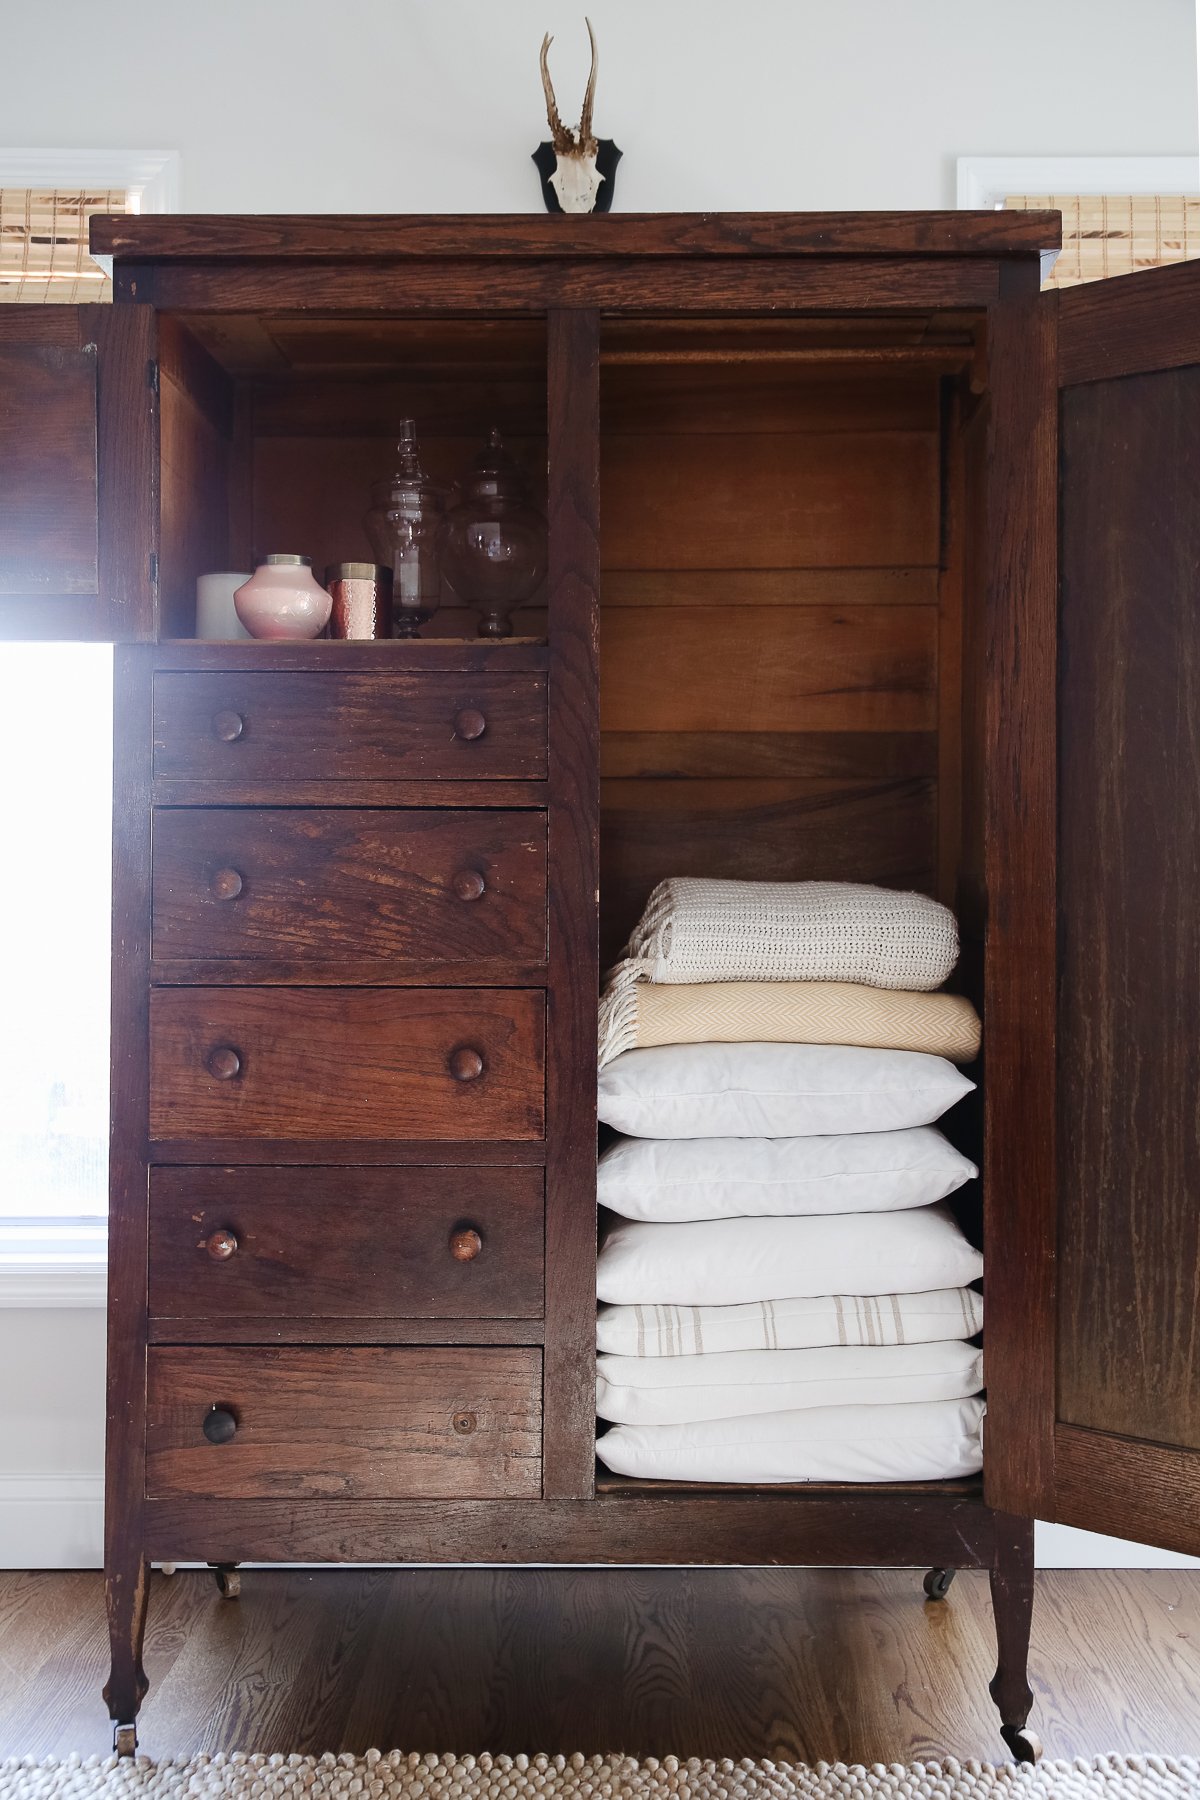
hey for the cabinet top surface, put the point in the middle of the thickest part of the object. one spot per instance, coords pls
(216, 237)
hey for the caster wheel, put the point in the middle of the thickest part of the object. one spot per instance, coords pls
(124, 1740)
(228, 1580)
(937, 1583)
(1025, 1745)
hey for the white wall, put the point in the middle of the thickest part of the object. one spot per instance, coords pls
(435, 105)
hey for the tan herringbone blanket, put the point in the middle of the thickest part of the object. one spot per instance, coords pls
(638, 1015)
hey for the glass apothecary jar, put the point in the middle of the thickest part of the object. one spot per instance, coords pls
(494, 540)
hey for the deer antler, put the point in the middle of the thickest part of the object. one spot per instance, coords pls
(587, 142)
(562, 138)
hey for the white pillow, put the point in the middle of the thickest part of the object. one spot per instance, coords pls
(679, 1390)
(937, 1440)
(797, 1324)
(726, 1178)
(726, 1262)
(774, 1090)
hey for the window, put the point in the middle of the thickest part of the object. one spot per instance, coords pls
(46, 200)
(56, 744)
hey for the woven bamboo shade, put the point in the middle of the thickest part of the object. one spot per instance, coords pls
(1115, 234)
(43, 243)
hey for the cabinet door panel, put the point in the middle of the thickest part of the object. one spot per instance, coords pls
(1127, 1437)
(78, 480)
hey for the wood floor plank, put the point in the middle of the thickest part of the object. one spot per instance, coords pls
(788, 1664)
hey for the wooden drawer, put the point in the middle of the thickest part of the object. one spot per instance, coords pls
(340, 1243)
(270, 882)
(353, 1423)
(347, 1063)
(382, 726)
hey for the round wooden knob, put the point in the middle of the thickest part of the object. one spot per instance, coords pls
(226, 884)
(469, 723)
(465, 1064)
(228, 726)
(220, 1246)
(224, 1062)
(465, 1245)
(464, 1423)
(220, 1425)
(468, 884)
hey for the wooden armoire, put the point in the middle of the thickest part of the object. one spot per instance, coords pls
(868, 560)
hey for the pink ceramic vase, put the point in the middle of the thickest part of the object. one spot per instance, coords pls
(283, 599)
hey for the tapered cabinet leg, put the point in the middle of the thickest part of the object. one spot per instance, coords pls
(127, 1591)
(1012, 1604)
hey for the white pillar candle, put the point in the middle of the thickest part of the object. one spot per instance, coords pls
(216, 616)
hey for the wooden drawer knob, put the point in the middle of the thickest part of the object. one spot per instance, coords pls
(465, 1064)
(464, 1423)
(220, 1425)
(226, 884)
(220, 1246)
(468, 884)
(465, 1245)
(224, 1062)
(469, 723)
(228, 726)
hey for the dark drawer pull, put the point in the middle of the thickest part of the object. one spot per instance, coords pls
(468, 884)
(220, 1425)
(228, 726)
(469, 723)
(465, 1064)
(226, 884)
(464, 1423)
(465, 1245)
(220, 1246)
(224, 1062)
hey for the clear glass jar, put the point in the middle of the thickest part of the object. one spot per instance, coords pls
(494, 540)
(403, 526)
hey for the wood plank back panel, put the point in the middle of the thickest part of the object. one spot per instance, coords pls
(359, 1423)
(1129, 850)
(772, 541)
(234, 726)
(766, 501)
(48, 541)
(323, 884)
(318, 1063)
(780, 668)
(346, 1243)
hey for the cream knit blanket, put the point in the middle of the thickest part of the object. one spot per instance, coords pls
(695, 930)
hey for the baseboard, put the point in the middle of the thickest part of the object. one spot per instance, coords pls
(51, 1520)
(1063, 1547)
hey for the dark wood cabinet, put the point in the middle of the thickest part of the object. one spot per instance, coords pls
(807, 615)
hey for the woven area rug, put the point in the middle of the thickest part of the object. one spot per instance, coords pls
(399, 1777)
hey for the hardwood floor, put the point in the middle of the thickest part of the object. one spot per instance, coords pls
(789, 1664)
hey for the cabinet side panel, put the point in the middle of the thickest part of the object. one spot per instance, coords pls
(1129, 858)
(128, 1173)
(573, 420)
(1019, 848)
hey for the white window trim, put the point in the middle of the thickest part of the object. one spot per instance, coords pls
(984, 182)
(150, 177)
(54, 1263)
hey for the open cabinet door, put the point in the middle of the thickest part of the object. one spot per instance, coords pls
(1127, 1431)
(78, 472)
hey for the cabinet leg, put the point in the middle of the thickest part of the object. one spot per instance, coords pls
(1012, 1604)
(127, 1591)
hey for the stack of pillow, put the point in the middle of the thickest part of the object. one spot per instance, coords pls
(784, 1295)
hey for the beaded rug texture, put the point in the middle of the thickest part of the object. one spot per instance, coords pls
(395, 1776)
